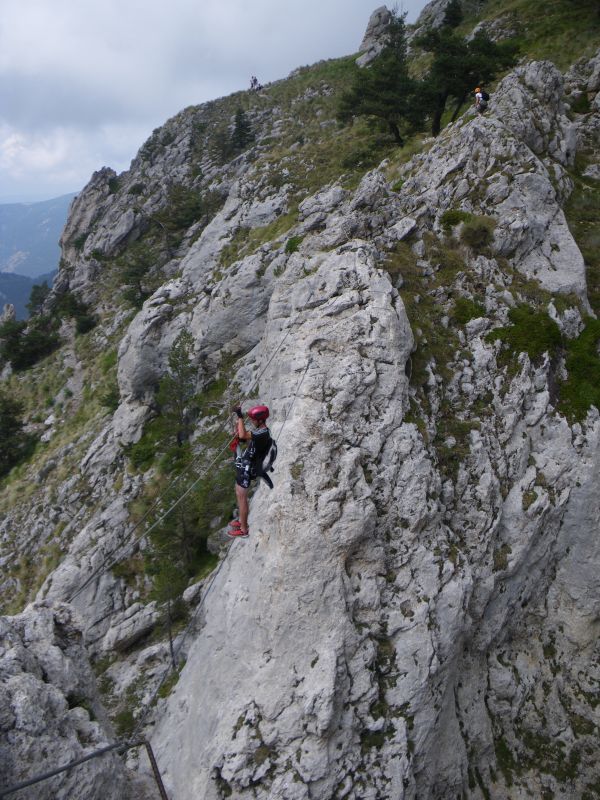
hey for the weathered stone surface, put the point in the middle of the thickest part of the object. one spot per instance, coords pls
(136, 622)
(8, 313)
(375, 36)
(489, 165)
(344, 303)
(50, 713)
(432, 16)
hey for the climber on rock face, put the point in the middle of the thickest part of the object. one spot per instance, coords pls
(481, 100)
(250, 464)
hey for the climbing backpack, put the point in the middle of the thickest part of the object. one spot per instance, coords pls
(266, 465)
(485, 96)
(259, 469)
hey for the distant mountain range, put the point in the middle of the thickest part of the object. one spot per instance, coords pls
(29, 234)
(29, 251)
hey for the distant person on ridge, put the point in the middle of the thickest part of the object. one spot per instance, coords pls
(250, 464)
(481, 100)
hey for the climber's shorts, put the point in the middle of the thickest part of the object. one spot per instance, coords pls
(243, 474)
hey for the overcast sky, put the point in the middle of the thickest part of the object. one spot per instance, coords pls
(84, 82)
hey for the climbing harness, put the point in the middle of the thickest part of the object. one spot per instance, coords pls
(252, 468)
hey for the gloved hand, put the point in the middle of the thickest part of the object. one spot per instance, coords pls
(238, 411)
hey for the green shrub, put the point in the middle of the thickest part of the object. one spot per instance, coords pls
(143, 452)
(109, 360)
(85, 323)
(582, 104)
(137, 189)
(124, 722)
(447, 259)
(583, 215)
(293, 243)
(135, 265)
(68, 305)
(183, 208)
(466, 310)
(478, 233)
(15, 444)
(401, 261)
(110, 399)
(582, 387)
(79, 241)
(178, 551)
(37, 297)
(25, 344)
(453, 217)
(531, 332)
(360, 157)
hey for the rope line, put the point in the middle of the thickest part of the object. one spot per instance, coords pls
(132, 742)
(177, 649)
(107, 563)
(179, 646)
(120, 747)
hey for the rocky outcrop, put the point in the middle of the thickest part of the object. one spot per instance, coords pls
(510, 165)
(50, 712)
(346, 423)
(375, 36)
(432, 15)
(8, 313)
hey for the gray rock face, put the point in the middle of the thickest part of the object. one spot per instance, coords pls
(50, 713)
(375, 36)
(502, 176)
(377, 603)
(348, 312)
(432, 15)
(8, 313)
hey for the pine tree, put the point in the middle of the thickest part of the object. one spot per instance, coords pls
(177, 543)
(15, 444)
(37, 297)
(242, 134)
(135, 264)
(453, 15)
(176, 391)
(459, 65)
(384, 90)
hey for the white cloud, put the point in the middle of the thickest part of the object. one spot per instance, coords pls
(84, 82)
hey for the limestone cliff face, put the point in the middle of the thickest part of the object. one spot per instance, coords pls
(50, 710)
(406, 628)
(415, 613)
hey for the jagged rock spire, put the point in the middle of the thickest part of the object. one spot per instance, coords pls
(375, 35)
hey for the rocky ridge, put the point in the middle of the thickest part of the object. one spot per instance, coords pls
(415, 613)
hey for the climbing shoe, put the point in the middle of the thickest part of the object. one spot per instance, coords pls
(237, 533)
(235, 523)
